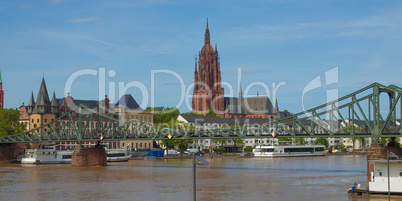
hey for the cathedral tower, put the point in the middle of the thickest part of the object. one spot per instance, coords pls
(208, 92)
(1, 93)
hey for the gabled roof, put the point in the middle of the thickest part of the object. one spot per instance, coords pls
(128, 102)
(249, 105)
(230, 121)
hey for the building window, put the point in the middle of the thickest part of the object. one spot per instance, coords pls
(145, 144)
(380, 173)
(149, 145)
(37, 121)
(32, 120)
(45, 120)
(22, 113)
(400, 174)
(136, 145)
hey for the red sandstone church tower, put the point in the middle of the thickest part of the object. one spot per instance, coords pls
(208, 92)
(1, 93)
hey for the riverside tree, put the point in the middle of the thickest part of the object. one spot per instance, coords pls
(9, 122)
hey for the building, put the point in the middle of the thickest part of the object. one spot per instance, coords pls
(128, 107)
(206, 123)
(43, 110)
(1, 93)
(24, 116)
(208, 93)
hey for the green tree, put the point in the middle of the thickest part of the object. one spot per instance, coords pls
(248, 149)
(210, 113)
(181, 144)
(284, 140)
(322, 141)
(164, 115)
(9, 122)
(237, 141)
(221, 143)
(299, 140)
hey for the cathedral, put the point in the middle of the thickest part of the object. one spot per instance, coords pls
(209, 95)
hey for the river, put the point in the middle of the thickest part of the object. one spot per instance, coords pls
(301, 178)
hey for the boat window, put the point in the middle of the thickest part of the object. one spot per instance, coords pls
(380, 173)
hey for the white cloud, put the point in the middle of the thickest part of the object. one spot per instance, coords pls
(82, 20)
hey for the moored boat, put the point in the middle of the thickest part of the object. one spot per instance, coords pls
(117, 155)
(47, 155)
(271, 151)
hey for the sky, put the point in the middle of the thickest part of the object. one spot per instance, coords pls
(147, 48)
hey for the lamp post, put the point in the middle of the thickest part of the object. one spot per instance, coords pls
(167, 144)
(197, 160)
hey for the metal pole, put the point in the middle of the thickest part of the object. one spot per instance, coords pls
(389, 189)
(194, 182)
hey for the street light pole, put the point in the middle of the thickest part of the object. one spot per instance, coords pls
(389, 188)
(167, 144)
(194, 180)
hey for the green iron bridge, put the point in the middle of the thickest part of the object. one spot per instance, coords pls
(355, 115)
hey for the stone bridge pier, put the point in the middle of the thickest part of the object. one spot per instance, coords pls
(93, 156)
(10, 151)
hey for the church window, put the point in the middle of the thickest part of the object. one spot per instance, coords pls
(22, 113)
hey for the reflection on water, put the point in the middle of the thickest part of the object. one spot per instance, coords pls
(308, 178)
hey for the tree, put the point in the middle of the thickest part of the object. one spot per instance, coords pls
(220, 142)
(322, 141)
(237, 141)
(210, 113)
(9, 122)
(284, 140)
(299, 140)
(164, 115)
(248, 149)
(179, 143)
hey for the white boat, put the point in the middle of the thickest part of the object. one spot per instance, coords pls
(378, 183)
(117, 155)
(289, 150)
(47, 155)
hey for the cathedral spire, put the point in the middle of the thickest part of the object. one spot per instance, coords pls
(195, 64)
(276, 106)
(207, 36)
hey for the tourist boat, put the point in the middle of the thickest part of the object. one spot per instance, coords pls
(47, 155)
(271, 151)
(117, 155)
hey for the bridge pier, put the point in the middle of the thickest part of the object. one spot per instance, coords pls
(10, 151)
(83, 157)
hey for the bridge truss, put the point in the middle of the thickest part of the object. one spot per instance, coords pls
(355, 115)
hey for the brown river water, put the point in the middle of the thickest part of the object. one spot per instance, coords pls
(301, 178)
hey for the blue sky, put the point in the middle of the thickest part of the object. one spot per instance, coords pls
(289, 42)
